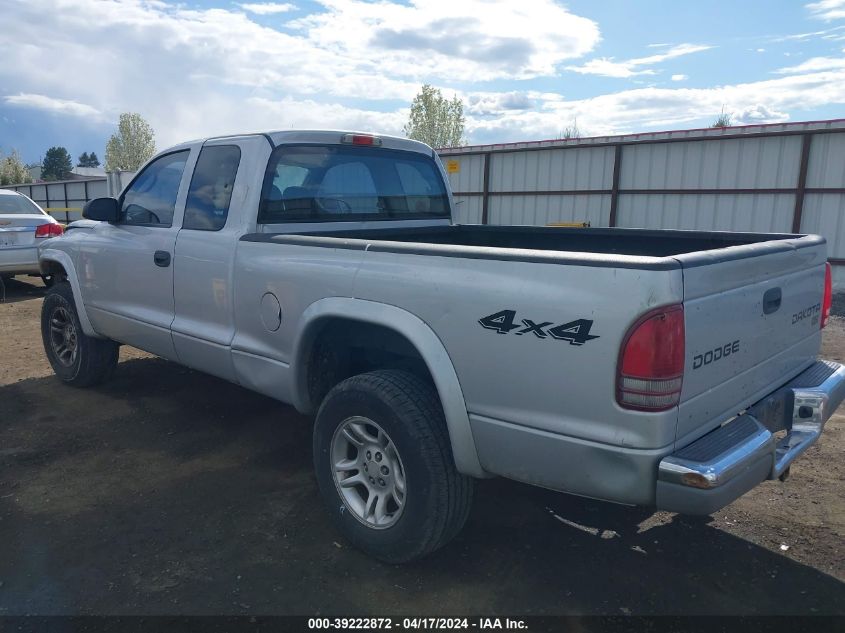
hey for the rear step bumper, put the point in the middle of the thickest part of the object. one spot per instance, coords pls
(728, 462)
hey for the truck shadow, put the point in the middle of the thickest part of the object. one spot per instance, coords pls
(168, 491)
(19, 289)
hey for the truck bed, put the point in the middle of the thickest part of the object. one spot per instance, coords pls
(607, 276)
(638, 246)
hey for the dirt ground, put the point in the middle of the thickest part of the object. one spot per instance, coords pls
(170, 492)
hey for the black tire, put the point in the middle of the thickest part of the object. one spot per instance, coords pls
(437, 497)
(94, 359)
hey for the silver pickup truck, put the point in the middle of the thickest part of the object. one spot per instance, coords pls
(675, 369)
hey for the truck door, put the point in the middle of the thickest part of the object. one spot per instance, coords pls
(213, 222)
(126, 270)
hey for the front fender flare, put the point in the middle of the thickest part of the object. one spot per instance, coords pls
(64, 260)
(428, 345)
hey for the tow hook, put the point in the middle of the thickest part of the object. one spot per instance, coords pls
(785, 474)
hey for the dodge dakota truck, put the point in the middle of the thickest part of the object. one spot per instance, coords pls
(671, 369)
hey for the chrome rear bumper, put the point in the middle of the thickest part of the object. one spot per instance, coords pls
(731, 460)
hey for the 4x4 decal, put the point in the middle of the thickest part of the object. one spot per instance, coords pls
(576, 332)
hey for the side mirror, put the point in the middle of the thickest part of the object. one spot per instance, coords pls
(102, 209)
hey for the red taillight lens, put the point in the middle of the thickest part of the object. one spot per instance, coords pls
(828, 294)
(651, 363)
(49, 230)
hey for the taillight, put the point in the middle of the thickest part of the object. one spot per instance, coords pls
(828, 294)
(49, 230)
(361, 139)
(651, 362)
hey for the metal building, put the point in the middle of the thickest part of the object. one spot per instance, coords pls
(769, 178)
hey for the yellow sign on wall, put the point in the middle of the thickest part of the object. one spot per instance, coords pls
(452, 166)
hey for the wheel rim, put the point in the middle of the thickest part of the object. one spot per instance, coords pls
(63, 337)
(368, 472)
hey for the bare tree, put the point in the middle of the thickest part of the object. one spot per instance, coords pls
(723, 120)
(571, 131)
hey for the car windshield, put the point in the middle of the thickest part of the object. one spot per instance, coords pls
(336, 182)
(17, 205)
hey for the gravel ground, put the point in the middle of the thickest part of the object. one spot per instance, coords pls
(170, 492)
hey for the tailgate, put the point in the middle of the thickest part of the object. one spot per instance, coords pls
(752, 323)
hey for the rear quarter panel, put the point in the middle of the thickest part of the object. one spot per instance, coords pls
(543, 383)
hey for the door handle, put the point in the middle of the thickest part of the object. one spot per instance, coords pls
(162, 258)
(771, 300)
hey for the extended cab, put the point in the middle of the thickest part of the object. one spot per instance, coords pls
(674, 369)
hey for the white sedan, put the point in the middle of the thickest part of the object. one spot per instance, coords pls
(23, 225)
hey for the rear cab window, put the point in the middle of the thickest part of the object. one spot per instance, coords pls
(319, 183)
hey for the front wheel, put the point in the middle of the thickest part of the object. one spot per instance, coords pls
(385, 469)
(77, 359)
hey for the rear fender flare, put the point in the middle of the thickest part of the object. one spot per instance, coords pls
(428, 345)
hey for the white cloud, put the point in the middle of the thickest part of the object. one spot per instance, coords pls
(834, 33)
(192, 71)
(679, 77)
(353, 48)
(468, 40)
(607, 67)
(268, 8)
(499, 103)
(49, 104)
(769, 101)
(758, 113)
(814, 64)
(353, 65)
(827, 9)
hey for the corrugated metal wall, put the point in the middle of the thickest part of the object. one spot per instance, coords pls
(765, 178)
(64, 199)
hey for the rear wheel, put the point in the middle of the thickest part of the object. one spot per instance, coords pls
(77, 359)
(385, 468)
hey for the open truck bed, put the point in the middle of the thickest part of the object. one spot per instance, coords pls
(596, 246)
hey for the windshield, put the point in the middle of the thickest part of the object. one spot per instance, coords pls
(18, 205)
(317, 183)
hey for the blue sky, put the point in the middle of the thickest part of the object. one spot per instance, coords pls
(525, 70)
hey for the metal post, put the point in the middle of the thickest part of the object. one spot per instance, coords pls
(86, 193)
(614, 190)
(485, 194)
(67, 204)
(802, 183)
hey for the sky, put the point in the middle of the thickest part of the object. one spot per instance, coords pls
(525, 70)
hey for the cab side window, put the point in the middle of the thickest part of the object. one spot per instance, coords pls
(207, 206)
(151, 198)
